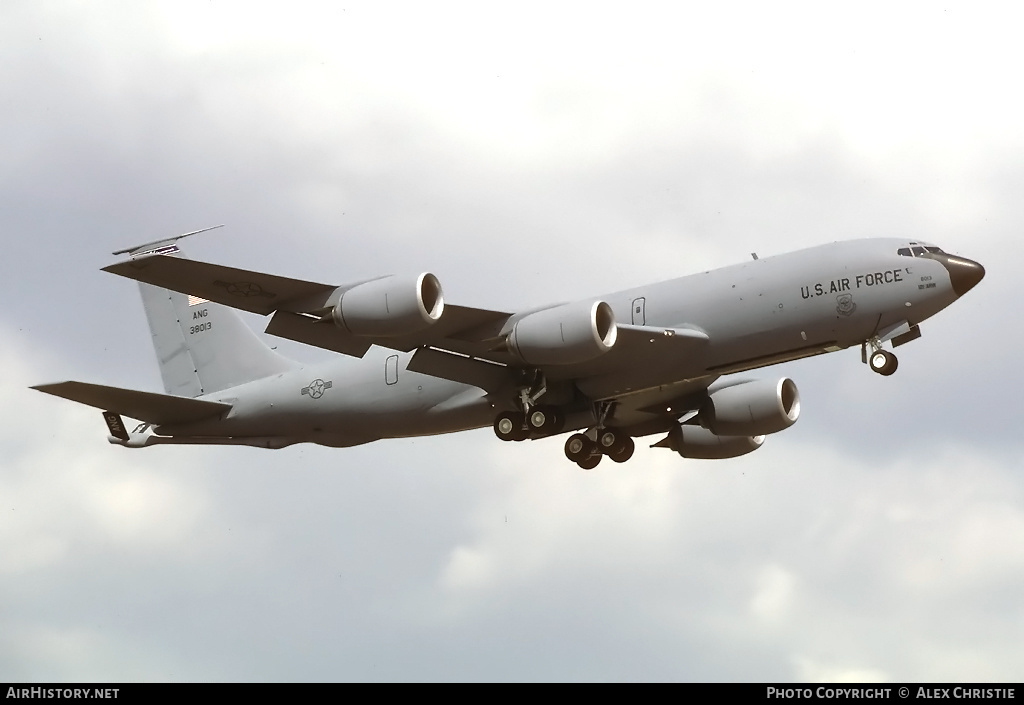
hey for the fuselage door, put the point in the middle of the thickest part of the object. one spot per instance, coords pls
(639, 312)
(391, 369)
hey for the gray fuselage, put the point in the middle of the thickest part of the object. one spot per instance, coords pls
(757, 313)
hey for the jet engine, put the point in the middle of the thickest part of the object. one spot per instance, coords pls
(564, 335)
(754, 408)
(390, 306)
(702, 444)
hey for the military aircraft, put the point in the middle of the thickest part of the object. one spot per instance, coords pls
(654, 360)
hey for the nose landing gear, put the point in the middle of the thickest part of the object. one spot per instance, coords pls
(883, 362)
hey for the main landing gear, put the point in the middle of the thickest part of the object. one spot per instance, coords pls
(587, 449)
(535, 420)
(518, 426)
(539, 420)
(587, 452)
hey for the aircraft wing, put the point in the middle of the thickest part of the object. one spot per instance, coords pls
(302, 308)
(238, 288)
(303, 312)
(158, 409)
(642, 347)
(478, 334)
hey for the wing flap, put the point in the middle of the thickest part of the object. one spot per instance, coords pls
(150, 407)
(455, 321)
(665, 339)
(488, 376)
(316, 332)
(642, 350)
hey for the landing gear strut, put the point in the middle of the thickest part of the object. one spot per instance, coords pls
(533, 419)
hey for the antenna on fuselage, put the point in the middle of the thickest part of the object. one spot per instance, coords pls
(752, 254)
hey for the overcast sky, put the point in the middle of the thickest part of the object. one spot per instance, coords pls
(525, 153)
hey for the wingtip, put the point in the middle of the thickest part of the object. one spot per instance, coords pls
(146, 248)
(55, 389)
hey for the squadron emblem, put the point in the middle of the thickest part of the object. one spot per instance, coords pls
(845, 305)
(316, 388)
(246, 289)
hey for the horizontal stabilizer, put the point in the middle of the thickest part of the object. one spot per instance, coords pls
(158, 409)
(115, 424)
(238, 288)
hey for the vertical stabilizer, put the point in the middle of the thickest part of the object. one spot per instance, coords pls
(201, 346)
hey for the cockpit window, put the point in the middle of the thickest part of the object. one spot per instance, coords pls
(918, 251)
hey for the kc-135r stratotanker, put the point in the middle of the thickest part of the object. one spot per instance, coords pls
(657, 359)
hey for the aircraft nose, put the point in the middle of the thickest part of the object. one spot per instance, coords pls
(963, 273)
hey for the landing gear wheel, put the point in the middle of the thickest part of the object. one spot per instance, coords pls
(590, 462)
(883, 362)
(608, 440)
(624, 452)
(508, 426)
(579, 448)
(544, 419)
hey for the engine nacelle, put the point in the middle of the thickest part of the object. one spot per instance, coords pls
(390, 306)
(702, 444)
(753, 408)
(564, 335)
